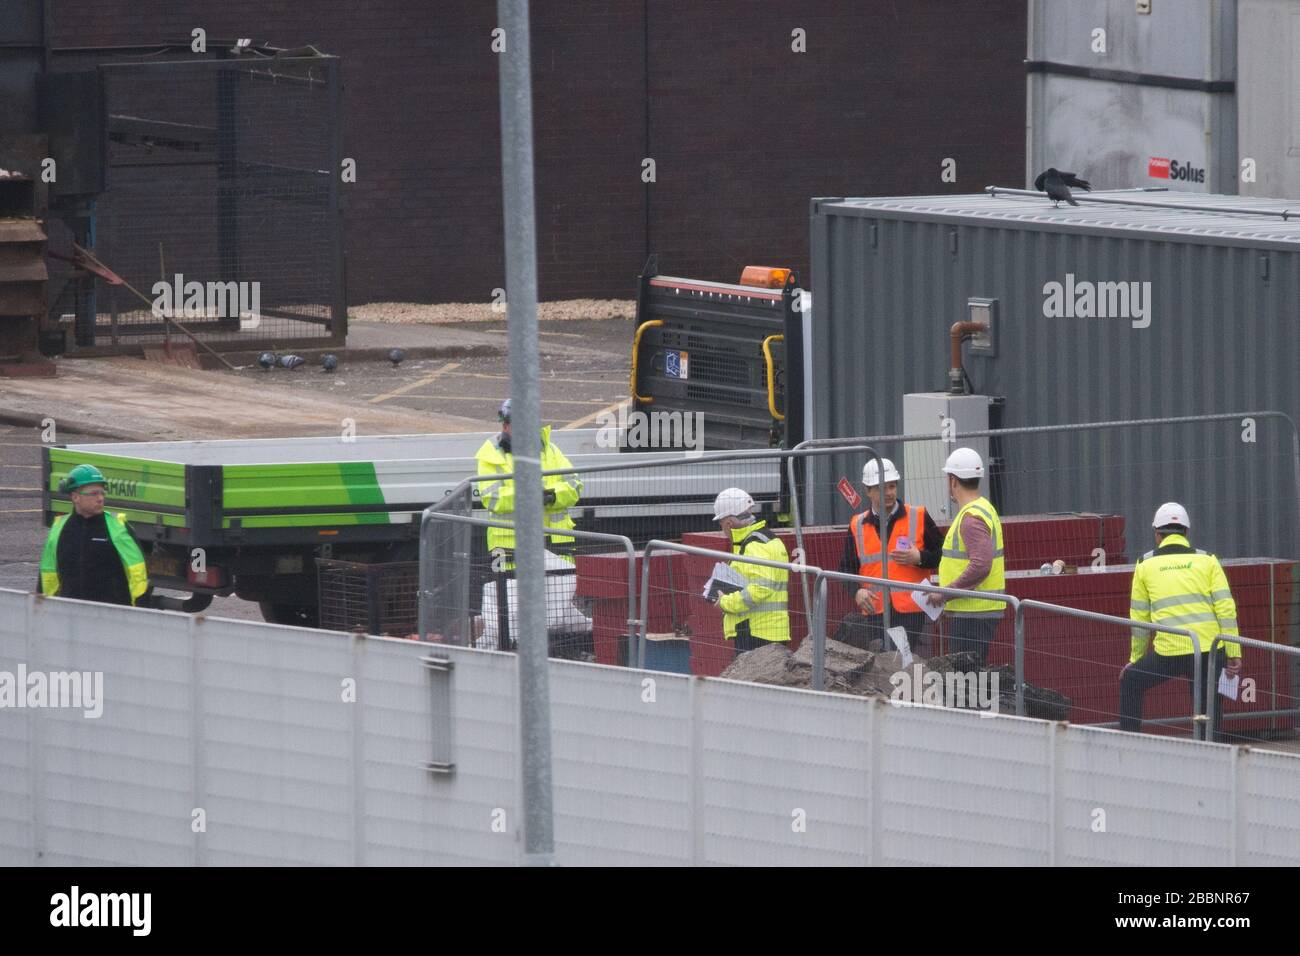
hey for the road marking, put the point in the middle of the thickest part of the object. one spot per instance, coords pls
(493, 401)
(431, 377)
(617, 373)
(607, 410)
(22, 511)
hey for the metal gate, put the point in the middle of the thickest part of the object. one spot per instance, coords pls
(221, 207)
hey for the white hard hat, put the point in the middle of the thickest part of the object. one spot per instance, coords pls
(869, 472)
(1171, 512)
(965, 463)
(732, 503)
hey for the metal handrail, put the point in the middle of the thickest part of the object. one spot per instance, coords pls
(1103, 619)
(771, 376)
(636, 349)
(1211, 691)
(822, 575)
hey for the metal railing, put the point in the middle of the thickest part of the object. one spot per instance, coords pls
(818, 616)
(1212, 690)
(462, 495)
(638, 601)
(802, 498)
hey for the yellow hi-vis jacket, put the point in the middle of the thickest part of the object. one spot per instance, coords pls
(955, 560)
(499, 496)
(1181, 586)
(762, 605)
(137, 577)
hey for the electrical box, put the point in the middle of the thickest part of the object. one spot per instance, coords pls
(951, 417)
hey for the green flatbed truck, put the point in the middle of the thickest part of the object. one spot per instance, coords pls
(249, 517)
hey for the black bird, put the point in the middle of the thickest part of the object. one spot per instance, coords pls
(291, 361)
(1056, 184)
(329, 363)
(266, 360)
(396, 356)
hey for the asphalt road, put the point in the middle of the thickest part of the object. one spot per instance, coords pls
(584, 369)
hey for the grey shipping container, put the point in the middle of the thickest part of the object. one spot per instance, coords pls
(1131, 99)
(891, 275)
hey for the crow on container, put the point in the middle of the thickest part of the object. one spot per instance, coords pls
(1057, 185)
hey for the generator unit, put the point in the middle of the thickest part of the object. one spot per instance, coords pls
(730, 354)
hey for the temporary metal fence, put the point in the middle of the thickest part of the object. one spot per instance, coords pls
(641, 497)
(225, 173)
(1238, 478)
(1017, 648)
(446, 611)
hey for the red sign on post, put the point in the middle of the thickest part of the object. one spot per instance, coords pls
(850, 493)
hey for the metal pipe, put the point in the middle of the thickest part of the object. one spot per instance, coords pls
(819, 636)
(1020, 660)
(525, 392)
(846, 444)
(958, 332)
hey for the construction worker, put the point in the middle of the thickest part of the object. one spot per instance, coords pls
(88, 554)
(914, 547)
(758, 613)
(972, 558)
(560, 493)
(1184, 587)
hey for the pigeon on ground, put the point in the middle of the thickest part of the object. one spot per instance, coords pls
(1056, 184)
(266, 360)
(292, 361)
(396, 356)
(329, 363)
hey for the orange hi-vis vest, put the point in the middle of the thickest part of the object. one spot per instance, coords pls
(866, 536)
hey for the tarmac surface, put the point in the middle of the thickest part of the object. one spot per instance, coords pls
(452, 379)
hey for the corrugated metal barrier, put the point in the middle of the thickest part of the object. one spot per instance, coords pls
(237, 743)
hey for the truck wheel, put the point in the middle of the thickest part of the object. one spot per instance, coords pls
(196, 603)
(298, 615)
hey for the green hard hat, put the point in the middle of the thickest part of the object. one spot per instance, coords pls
(81, 475)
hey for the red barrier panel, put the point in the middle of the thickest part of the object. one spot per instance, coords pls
(1083, 659)
(603, 577)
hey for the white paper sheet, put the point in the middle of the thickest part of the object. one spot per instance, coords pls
(922, 601)
(899, 637)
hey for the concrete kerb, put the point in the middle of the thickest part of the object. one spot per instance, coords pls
(33, 420)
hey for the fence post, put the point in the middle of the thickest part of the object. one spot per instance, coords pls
(817, 623)
(35, 737)
(1198, 725)
(1020, 660)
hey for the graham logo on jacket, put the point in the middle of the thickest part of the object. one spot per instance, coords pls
(1176, 567)
(1160, 167)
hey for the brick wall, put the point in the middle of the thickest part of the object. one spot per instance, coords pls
(742, 129)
